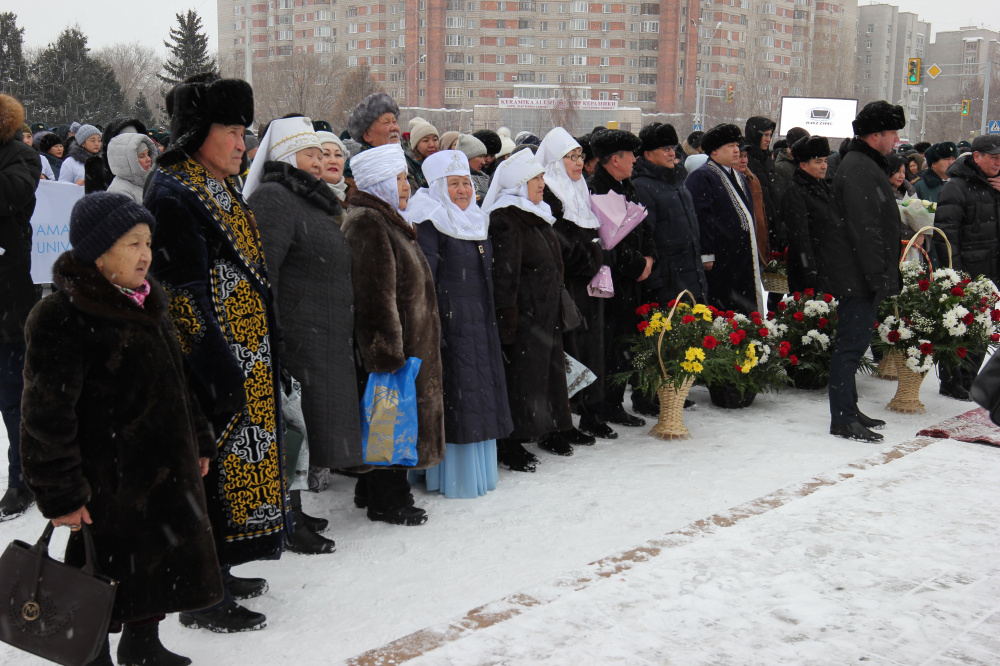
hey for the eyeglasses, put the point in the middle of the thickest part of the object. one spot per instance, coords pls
(574, 157)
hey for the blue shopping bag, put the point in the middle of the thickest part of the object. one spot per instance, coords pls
(389, 416)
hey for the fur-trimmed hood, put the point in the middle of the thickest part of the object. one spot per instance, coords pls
(90, 292)
(11, 117)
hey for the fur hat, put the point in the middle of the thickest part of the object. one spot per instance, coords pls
(506, 145)
(719, 136)
(471, 146)
(941, 151)
(657, 135)
(694, 139)
(47, 141)
(419, 130)
(878, 117)
(810, 147)
(98, 220)
(11, 117)
(490, 139)
(584, 141)
(795, 134)
(367, 111)
(322, 126)
(609, 142)
(197, 103)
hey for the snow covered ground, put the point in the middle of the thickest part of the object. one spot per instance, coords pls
(761, 540)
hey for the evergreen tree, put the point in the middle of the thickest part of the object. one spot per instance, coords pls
(188, 48)
(13, 68)
(69, 84)
(140, 111)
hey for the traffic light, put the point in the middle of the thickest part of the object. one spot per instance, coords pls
(913, 72)
(729, 93)
(965, 106)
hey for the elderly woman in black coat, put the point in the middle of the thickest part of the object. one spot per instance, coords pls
(453, 236)
(309, 263)
(111, 436)
(527, 275)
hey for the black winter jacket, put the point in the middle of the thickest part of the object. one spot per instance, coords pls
(760, 163)
(20, 171)
(860, 255)
(969, 214)
(675, 232)
(807, 217)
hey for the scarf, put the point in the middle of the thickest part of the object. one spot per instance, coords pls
(137, 295)
(573, 194)
(509, 186)
(434, 204)
(746, 222)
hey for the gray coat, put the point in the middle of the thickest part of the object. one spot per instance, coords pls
(123, 156)
(309, 262)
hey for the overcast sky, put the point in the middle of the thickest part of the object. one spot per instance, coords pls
(108, 21)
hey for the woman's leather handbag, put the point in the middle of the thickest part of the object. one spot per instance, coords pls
(569, 312)
(54, 610)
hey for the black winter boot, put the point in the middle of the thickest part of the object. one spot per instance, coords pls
(15, 502)
(140, 646)
(512, 455)
(228, 619)
(306, 542)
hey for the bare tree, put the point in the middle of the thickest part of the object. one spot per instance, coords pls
(136, 67)
(306, 83)
(564, 114)
(357, 85)
(758, 92)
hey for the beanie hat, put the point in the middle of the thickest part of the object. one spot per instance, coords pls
(657, 135)
(98, 220)
(74, 127)
(470, 145)
(719, 136)
(506, 145)
(420, 129)
(810, 147)
(447, 139)
(879, 116)
(490, 139)
(85, 132)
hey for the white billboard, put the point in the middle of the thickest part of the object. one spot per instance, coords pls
(829, 117)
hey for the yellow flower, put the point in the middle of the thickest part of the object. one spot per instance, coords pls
(692, 366)
(702, 310)
(751, 359)
(694, 354)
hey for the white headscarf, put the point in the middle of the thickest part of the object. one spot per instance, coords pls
(509, 186)
(375, 171)
(284, 138)
(433, 203)
(573, 194)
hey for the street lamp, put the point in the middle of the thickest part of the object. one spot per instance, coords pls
(406, 77)
(923, 114)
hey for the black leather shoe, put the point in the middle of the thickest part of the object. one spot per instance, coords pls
(311, 523)
(140, 646)
(855, 431)
(556, 443)
(955, 391)
(591, 426)
(245, 588)
(229, 619)
(644, 406)
(515, 457)
(870, 423)
(689, 404)
(407, 515)
(306, 542)
(620, 417)
(15, 502)
(574, 436)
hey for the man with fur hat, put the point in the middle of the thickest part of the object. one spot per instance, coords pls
(631, 263)
(758, 132)
(968, 213)
(806, 212)
(784, 163)
(423, 144)
(373, 122)
(207, 255)
(20, 171)
(859, 258)
(724, 206)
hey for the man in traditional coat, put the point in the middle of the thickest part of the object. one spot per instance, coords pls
(208, 257)
(724, 206)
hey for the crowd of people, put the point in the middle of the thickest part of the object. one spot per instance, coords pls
(220, 280)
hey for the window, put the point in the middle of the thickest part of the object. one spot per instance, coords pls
(470, 24)
(603, 95)
(579, 42)
(542, 78)
(562, 61)
(650, 26)
(453, 58)
(501, 59)
(420, 93)
(648, 61)
(543, 43)
(525, 58)
(543, 8)
(285, 19)
(454, 75)
(284, 4)
(605, 61)
(543, 60)
(578, 77)
(578, 60)
(451, 40)
(868, 44)
(238, 10)
(647, 79)
(561, 43)
(324, 31)
(470, 41)
(526, 5)
(470, 76)
(352, 28)
(871, 28)
(604, 78)
(524, 24)
(578, 24)
(580, 6)
(562, 8)
(647, 96)
(352, 12)
(868, 59)
(470, 60)
(453, 22)
(285, 34)
(352, 61)
(560, 78)
(605, 43)
(421, 75)
(322, 47)
(544, 25)
(561, 26)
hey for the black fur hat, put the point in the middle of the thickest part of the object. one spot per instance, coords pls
(367, 112)
(320, 126)
(941, 151)
(879, 116)
(657, 135)
(719, 136)
(810, 147)
(198, 102)
(610, 142)
(490, 139)
(584, 141)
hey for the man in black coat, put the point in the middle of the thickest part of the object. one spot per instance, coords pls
(659, 182)
(758, 134)
(632, 262)
(806, 212)
(968, 213)
(859, 258)
(20, 171)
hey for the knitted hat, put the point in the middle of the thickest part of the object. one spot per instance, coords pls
(490, 139)
(810, 147)
(470, 145)
(610, 142)
(719, 136)
(98, 220)
(657, 135)
(85, 132)
(367, 111)
(420, 129)
(526, 139)
(506, 145)
(74, 127)
(879, 116)
(447, 139)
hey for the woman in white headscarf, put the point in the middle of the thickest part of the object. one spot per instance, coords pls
(527, 278)
(453, 236)
(576, 226)
(395, 318)
(335, 155)
(309, 264)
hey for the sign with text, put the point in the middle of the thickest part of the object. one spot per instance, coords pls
(54, 202)
(829, 117)
(580, 104)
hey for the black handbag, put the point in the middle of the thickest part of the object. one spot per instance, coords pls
(986, 389)
(54, 610)
(569, 312)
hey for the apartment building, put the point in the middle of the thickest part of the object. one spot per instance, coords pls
(887, 39)
(961, 53)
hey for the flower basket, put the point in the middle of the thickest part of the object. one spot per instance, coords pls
(775, 283)
(887, 368)
(750, 354)
(671, 422)
(729, 397)
(806, 380)
(907, 398)
(807, 320)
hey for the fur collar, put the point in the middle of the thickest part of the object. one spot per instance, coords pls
(90, 292)
(302, 184)
(360, 199)
(857, 145)
(80, 154)
(817, 187)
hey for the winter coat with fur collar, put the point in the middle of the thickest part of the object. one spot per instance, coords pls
(108, 423)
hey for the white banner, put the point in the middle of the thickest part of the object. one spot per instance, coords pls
(820, 116)
(50, 225)
(580, 104)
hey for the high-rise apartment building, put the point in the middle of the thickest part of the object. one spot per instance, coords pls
(887, 39)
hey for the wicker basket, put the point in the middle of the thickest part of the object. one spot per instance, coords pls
(671, 423)
(729, 397)
(907, 398)
(888, 367)
(774, 283)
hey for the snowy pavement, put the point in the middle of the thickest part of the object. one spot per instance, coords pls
(761, 540)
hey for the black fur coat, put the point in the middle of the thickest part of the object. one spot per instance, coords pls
(108, 423)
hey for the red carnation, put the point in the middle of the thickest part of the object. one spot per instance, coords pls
(876, 325)
(981, 308)
(927, 348)
(924, 285)
(961, 352)
(739, 368)
(655, 305)
(797, 295)
(798, 316)
(755, 315)
(688, 319)
(729, 314)
(782, 305)
(810, 292)
(785, 345)
(782, 352)
(671, 303)
(710, 342)
(763, 332)
(965, 281)
(642, 310)
(984, 301)
(968, 319)
(823, 321)
(957, 291)
(742, 334)
(643, 325)
(734, 337)
(734, 323)
(893, 336)
(995, 337)
(828, 297)
(770, 315)
(995, 315)
(794, 359)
